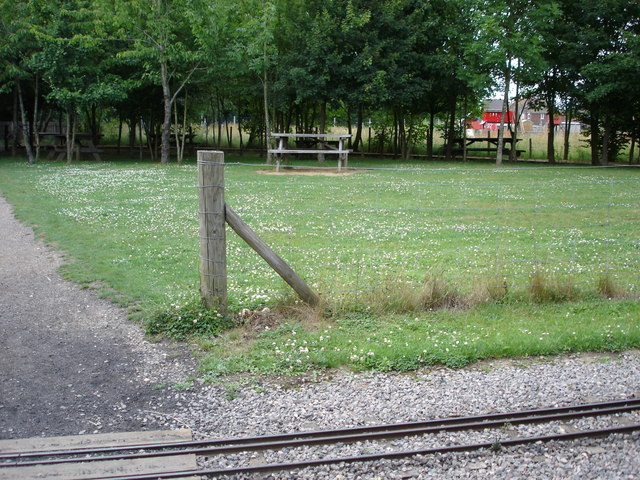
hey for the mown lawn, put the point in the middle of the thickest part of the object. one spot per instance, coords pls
(417, 263)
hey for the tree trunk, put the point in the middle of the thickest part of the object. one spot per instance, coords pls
(36, 123)
(513, 152)
(26, 134)
(505, 105)
(226, 122)
(165, 147)
(323, 124)
(220, 112)
(176, 133)
(265, 96)
(184, 125)
(267, 124)
(14, 123)
(150, 131)
(406, 136)
(357, 142)
(595, 139)
(430, 134)
(451, 130)
(606, 137)
(395, 133)
(71, 136)
(551, 137)
(132, 135)
(349, 129)
(141, 148)
(119, 144)
(212, 103)
(180, 133)
(464, 133)
(94, 126)
(402, 135)
(567, 133)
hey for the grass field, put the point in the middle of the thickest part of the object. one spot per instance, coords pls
(528, 260)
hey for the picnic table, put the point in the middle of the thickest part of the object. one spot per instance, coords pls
(83, 143)
(312, 143)
(491, 145)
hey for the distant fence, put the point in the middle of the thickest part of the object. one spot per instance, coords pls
(352, 235)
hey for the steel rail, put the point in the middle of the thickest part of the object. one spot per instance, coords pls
(334, 436)
(322, 433)
(497, 445)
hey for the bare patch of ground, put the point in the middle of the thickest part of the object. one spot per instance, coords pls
(310, 172)
(72, 363)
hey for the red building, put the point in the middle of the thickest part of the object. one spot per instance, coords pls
(530, 120)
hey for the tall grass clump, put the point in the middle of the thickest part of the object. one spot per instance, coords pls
(400, 296)
(489, 289)
(609, 288)
(550, 289)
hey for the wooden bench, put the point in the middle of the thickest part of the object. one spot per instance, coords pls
(304, 143)
(505, 151)
(83, 144)
(491, 145)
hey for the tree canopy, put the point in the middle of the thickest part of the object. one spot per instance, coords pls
(289, 65)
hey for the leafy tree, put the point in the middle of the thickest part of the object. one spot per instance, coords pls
(610, 78)
(19, 23)
(513, 35)
(159, 36)
(255, 46)
(74, 63)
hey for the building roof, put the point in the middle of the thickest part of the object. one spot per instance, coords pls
(493, 105)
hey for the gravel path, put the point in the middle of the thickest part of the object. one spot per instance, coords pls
(70, 362)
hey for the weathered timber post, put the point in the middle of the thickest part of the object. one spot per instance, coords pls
(213, 252)
(280, 266)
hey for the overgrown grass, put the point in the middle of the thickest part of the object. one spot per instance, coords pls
(365, 340)
(408, 261)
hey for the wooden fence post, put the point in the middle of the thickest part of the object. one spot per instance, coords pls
(213, 251)
(280, 266)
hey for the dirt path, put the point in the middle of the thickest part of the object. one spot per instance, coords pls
(71, 363)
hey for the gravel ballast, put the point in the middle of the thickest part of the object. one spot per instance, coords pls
(347, 400)
(71, 363)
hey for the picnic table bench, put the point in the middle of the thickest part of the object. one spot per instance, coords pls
(492, 145)
(312, 143)
(83, 143)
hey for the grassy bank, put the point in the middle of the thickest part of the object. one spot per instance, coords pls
(529, 261)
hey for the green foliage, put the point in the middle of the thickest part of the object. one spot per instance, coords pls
(402, 60)
(181, 320)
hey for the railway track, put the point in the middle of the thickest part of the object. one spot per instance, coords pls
(13, 462)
